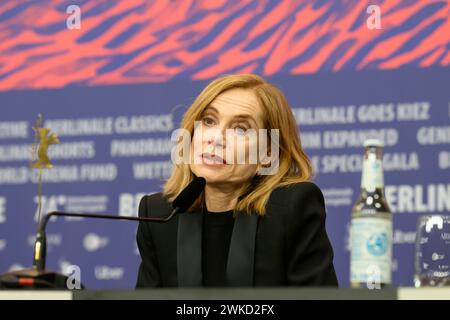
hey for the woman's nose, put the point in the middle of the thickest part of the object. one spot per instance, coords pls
(216, 138)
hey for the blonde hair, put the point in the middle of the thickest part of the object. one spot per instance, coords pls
(294, 164)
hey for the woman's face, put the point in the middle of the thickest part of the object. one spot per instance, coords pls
(222, 134)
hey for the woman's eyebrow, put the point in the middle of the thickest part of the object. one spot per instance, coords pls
(245, 117)
(238, 116)
(211, 108)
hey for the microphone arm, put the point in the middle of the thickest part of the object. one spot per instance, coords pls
(181, 203)
(40, 246)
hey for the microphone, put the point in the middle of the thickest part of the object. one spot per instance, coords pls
(30, 277)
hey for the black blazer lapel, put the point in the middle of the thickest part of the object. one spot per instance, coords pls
(189, 249)
(241, 255)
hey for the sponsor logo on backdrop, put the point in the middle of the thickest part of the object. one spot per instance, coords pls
(109, 273)
(93, 242)
(404, 237)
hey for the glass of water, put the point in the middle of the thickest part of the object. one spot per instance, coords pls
(432, 254)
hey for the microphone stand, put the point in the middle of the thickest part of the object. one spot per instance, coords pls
(38, 276)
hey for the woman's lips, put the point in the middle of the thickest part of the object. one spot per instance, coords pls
(209, 158)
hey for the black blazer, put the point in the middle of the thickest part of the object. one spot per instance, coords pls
(287, 247)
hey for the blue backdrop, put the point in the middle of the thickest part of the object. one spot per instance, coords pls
(115, 147)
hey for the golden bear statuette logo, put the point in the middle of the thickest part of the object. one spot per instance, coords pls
(45, 140)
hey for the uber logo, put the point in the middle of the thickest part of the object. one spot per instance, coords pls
(109, 273)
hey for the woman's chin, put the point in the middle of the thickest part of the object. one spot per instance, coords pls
(199, 169)
(211, 175)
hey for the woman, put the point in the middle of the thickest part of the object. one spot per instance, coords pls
(257, 223)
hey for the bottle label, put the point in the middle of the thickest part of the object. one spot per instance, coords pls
(372, 176)
(371, 251)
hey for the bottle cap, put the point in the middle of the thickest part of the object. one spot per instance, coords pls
(373, 143)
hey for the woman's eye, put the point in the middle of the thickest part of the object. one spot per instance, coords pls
(240, 130)
(208, 121)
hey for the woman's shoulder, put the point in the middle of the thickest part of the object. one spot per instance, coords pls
(155, 197)
(154, 204)
(295, 194)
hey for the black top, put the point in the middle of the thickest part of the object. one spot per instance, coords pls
(217, 230)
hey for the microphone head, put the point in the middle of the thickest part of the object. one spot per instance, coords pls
(187, 197)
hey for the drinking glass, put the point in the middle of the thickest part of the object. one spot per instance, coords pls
(432, 254)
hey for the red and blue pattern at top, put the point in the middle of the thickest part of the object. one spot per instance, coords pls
(155, 41)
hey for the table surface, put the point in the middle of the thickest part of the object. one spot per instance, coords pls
(233, 294)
